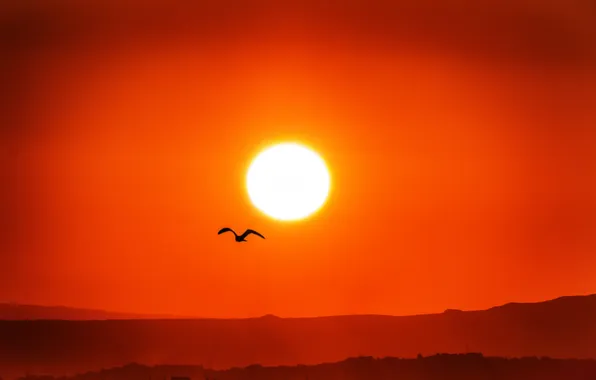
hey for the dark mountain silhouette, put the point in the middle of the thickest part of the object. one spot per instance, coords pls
(561, 328)
(14, 311)
(442, 366)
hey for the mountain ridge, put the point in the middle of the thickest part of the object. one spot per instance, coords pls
(561, 328)
(23, 311)
(10, 311)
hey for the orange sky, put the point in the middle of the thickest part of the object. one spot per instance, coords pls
(461, 142)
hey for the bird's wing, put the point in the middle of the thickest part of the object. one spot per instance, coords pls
(225, 229)
(248, 232)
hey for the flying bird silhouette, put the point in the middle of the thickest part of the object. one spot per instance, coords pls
(240, 238)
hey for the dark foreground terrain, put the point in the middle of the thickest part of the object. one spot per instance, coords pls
(443, 366)
(561, 328)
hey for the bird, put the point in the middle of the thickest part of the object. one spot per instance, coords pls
(240, 238)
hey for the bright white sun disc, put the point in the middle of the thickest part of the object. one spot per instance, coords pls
(288, 181)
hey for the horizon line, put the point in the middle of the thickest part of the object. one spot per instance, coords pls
(168, 316)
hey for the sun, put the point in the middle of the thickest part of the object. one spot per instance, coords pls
(288, 181)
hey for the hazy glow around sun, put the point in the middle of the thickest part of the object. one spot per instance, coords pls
(288, 181)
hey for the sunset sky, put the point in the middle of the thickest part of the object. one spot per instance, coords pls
(461, 141)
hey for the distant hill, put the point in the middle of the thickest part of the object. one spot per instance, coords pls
(14, 311)
(560, 328)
